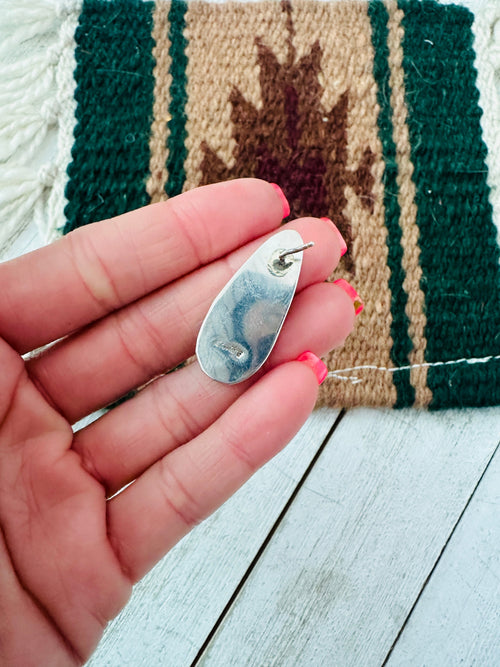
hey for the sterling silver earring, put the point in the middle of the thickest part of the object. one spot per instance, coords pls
(243, 323)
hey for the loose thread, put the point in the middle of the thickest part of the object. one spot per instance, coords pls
(356, 380)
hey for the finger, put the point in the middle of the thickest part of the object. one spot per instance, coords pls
(177, 492)
(96, 269)
(118, 447)
(145, 339)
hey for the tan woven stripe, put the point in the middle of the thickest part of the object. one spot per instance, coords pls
(159, 130)
(344, 34)
(415, 308)
(222, 56)
(227, 60)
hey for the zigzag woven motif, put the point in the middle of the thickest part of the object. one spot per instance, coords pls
(381, 116)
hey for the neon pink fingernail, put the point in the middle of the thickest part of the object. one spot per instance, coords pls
(315, 363)
(284, 200)
(343, 244)
(351, 293)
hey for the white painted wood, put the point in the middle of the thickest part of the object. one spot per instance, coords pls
(342, 572)
(174, 608)
(457, 619)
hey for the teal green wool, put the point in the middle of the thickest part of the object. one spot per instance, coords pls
(114, 95)
(177, 151)
(399, 327)
(459, 253)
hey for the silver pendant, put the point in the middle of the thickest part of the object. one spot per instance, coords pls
(243, 323)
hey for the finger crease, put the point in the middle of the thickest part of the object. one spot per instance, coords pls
(89, 465)
(41, 388)
(194, 242)
(12, 394)
(146, 370)
(163, 422)
(233, 444)
(182, 414)
(102, 288)
(186, 508)
(118, 550)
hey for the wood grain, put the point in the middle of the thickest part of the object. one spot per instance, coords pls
(341, 574)
(457, 619)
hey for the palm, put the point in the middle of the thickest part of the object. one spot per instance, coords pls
(127, 297)
(63, 578)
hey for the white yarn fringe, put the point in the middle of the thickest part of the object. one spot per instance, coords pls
(37, 105)
(486, 28)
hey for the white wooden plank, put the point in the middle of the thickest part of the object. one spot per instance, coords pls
(457, 619)
(342, 572)
(175, 607)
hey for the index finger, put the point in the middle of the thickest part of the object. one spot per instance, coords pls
(99, 268)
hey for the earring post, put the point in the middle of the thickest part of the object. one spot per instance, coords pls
(292, 251)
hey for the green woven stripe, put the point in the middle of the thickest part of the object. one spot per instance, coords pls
(177, 151)
(399, 328)
(114, 95)
(459, 254)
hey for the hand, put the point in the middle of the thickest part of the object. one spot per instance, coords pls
(127, 297)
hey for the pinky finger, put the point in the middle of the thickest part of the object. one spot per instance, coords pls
(183, 488)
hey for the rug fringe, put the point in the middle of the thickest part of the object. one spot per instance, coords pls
(36, 105)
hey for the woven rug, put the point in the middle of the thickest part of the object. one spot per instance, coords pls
(383, 116)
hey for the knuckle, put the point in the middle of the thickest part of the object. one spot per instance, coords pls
(238, 450)
(166, 404)
(93, 271)
(140, 340)
(89, 463)
(178, 499)
(188, 220)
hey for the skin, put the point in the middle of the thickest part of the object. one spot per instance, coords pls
(124, 299)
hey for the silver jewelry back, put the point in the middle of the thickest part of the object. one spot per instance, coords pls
(243, 323)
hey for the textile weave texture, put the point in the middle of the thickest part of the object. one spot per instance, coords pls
(382, 116)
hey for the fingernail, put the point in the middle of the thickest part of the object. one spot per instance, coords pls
(314, 362)
(284, 200)
(351, 293)
(343, 244)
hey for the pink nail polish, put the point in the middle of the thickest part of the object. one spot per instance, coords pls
(284, 201)
(351, 293)
(343, 244)
(315, 363)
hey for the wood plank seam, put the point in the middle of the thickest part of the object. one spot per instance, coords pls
(441, 553)
(266, 541)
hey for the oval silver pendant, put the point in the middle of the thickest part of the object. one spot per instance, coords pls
(243, 323)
